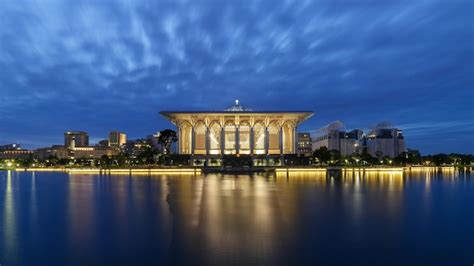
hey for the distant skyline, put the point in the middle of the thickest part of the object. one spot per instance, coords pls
(99, 66)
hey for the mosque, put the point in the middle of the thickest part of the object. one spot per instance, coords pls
(236, 131)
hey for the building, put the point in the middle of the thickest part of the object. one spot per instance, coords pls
(76, 139)
(14, 151)
(95, 152)
(62, 152)
(117, 139)
(135, 147)
(103, 143)
(347, 143)
(10, 147)
(236, 131)
(382, 142)
(334, 137)
(305, 146)
(59, 151)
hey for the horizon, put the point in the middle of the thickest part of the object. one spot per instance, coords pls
(106, 66)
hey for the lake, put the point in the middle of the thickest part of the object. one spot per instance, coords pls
(421, 217)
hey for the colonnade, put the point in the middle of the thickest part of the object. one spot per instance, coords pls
(218, 137)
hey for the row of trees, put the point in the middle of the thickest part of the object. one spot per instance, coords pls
(324, 156)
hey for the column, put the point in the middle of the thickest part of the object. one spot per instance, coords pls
(267, 140)
(179, 140)
(207, 141)
(280, 136)
(237, 140)
(222, 142)
(295, 140)
(193, 141)
(252, 141)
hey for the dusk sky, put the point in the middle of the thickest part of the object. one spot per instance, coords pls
(102, 65)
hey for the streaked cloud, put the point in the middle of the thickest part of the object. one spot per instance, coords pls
(101, 65)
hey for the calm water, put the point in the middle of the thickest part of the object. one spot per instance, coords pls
(423, 218)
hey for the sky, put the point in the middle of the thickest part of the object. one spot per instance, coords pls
(108, 65)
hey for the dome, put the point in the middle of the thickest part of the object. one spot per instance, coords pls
(237, 108)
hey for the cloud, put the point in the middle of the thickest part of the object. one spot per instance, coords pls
(101, 65)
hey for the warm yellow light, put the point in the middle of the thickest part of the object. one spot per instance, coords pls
(9, 164)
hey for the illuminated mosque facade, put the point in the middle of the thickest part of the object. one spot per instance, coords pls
(236, 131)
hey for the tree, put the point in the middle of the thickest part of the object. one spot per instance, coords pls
(105, 161)
(147, 156)
(119, 159)
(322, 155)
(379, 154)
(368, 159)
(166, 138)
(335, 156)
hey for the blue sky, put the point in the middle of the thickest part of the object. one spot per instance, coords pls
(103, 65)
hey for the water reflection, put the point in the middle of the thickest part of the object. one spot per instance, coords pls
(289, 219)
(9, 220)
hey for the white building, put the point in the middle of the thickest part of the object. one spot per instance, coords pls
(382, 142)
(347, 143)
(237, 131)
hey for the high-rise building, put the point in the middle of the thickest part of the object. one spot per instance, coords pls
(74, 139)
(304, 144)
(117, 139)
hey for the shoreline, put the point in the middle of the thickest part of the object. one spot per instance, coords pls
(201, 170)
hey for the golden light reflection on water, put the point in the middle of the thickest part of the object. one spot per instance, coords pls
(81, 213)
(221, 213)
(219, 218)
(9, 219)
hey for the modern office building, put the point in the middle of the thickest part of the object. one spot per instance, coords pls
(237, 131)
(117, 139)
(134, 147)
(382, 142)
(74, 139)
(304, 144)
(347, 143)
